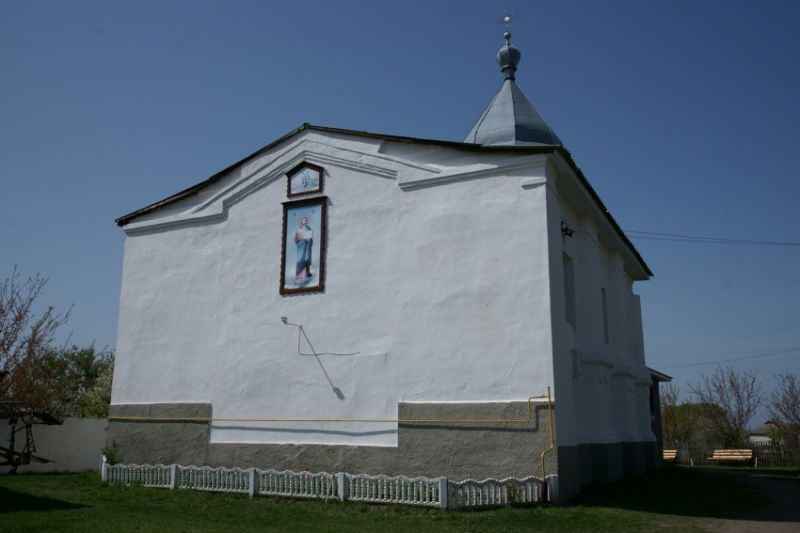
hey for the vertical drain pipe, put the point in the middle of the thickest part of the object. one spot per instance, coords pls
(552, 443)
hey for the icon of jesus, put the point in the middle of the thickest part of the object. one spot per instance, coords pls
(304, 240)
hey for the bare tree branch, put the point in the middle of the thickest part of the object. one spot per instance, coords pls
(730, 400)
(25, 339)
(784, 404)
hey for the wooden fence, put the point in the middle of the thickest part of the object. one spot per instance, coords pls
(768, 453)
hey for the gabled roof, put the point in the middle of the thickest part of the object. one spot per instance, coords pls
(523, 149)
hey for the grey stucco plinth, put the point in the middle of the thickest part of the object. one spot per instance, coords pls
(458, 450)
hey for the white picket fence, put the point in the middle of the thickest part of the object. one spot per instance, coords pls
(427, 492)
(212, 479)
(420, 491)
(494, 492)
(295, 484)
(148, 475)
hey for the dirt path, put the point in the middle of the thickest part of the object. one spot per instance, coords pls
(781, 514)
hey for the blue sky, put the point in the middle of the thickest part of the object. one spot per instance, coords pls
(683, 114)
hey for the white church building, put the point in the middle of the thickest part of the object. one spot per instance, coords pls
(359, 302)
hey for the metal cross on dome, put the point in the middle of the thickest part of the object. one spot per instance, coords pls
(507, 18)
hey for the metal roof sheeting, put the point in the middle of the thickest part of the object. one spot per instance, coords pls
(511, 119)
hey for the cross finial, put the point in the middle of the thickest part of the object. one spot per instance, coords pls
(508, 17)
(506, 22)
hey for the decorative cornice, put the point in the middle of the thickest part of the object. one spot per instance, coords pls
(526, 163)
(532, 183)
(597, 362)
(258, 176)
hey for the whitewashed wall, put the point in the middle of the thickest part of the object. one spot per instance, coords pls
(74, 446)
(436, 275)
(602, 387)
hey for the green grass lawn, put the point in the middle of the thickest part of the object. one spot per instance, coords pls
(671, 500)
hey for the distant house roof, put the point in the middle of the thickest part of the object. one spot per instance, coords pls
(659, 376)
(763, 429)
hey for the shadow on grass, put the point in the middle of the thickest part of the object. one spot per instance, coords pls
(786, 473)
(15, 501)
(681, 491)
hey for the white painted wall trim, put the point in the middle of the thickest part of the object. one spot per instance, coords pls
(526, 163)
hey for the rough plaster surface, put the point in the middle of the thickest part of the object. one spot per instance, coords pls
(438, 290)
(141, 441)
(459, 450)
(444, 283)
(586, 464)
(607, 382)
(570, 469)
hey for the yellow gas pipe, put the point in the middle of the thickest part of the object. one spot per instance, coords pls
(552, 443)
(528, 419)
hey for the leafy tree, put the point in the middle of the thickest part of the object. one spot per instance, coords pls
(65, 381)
(784, 406)
(89, 374)
(728, 402)
(26, 339)
(96, 401)
(72, 381)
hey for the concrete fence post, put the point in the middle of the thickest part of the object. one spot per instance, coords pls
(341, 486)
(252, 483)
(103, 469)
(173, 476)
(443, 493)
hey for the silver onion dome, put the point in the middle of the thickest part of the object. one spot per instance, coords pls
(508, 58)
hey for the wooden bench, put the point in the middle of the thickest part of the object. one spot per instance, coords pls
(670, 456)
(733, 456)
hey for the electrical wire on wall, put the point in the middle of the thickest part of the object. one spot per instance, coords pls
(301, 333)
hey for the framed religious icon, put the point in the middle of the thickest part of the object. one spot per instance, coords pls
(303, 245)
(305, 178)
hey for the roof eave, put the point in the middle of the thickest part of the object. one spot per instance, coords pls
(125, 219)
(526, 148)
(596, 198)
(659, 376)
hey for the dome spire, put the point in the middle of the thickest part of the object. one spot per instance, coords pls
(510, 119)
